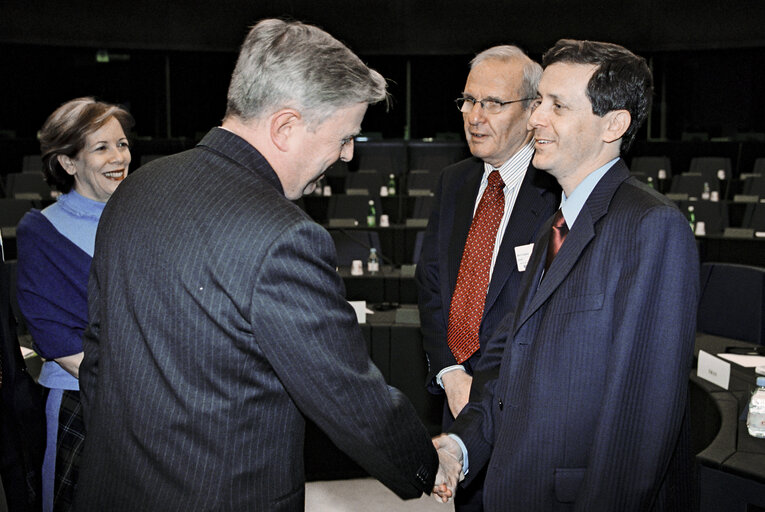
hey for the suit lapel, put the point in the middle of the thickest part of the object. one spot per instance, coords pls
(529, 206)
(576, 242)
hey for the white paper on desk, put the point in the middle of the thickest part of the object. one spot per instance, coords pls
(27, 352)
(713, 369)
(360, 307)
(744, 360)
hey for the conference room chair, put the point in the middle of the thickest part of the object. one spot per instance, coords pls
(31, 163)
(421, 182)
(354, 245)
(710, 166)
(754, 185)
(732, 301)
(651, 165)
(346, 207)
(690, 186)
(418, 239)
(759, 166)
(27, 185)
(386, 157)
(335, 175)
(421, 207)
(11, 211)
(434, 156)
(365, 182)
(754, 218)
(714, 215)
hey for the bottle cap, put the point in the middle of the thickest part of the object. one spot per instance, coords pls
(761, 382)
(372, 250)
(690, 208)
(371, 202)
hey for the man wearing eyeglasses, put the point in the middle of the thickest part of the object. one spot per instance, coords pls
(486, 215)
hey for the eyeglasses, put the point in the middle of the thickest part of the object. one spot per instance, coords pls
(465, 105)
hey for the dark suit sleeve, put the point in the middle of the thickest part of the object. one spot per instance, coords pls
(310, 336)
(647, 380)
(88, 373)
(434, 318)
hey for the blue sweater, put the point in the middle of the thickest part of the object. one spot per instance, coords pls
(53, 279)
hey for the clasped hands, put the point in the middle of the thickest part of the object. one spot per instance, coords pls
(449, 468)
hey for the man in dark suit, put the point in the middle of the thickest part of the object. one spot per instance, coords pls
(495, 105)
(589, 409)
(217, 319)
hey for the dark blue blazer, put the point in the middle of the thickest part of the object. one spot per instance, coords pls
(443, 245)
(588, 410)
(218, 322)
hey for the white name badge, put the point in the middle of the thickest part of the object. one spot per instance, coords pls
(713, 369)
(522, 255)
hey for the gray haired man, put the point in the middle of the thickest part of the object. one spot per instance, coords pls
(217, 319)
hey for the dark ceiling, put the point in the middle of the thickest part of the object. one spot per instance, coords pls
(389, 27)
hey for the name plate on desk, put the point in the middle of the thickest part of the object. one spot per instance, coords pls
(343, 223)
(713, 369)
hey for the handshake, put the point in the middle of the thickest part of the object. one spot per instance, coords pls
(449, 468)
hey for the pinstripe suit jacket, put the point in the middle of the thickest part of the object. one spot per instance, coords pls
(588, 410)
(217, 322)
(443, 245)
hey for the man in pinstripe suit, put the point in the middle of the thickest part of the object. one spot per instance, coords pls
(217, 319)
(589, 410)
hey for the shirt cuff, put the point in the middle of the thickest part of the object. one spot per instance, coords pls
(447, 370)
(465, 467)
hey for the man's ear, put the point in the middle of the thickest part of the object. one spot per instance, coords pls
(67, 164)
(617, 123)
(282, 126)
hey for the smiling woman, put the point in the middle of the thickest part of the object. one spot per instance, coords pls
(85, 156)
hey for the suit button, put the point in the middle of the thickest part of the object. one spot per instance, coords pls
(500, 404)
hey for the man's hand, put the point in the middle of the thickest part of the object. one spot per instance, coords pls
(449, 468)
(457, 386)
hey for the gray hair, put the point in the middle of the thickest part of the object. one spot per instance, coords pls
(294, 65)
(532, 71)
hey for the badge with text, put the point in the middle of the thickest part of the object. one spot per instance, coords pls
(522, 255)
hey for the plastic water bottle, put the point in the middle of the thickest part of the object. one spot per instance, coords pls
(650, 182)
(705, 193)
(373, 262)
(391, 185)
(371, 215)
(692, 218)
(755, 419)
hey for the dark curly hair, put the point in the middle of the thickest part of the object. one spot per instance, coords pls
(65, 131)
(622, 80)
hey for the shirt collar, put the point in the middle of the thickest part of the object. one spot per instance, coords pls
(514, 169)
(571, 206)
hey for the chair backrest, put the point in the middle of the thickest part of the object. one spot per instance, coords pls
(755, 186)
(27, 185)
(651, 165)
(386, 157)
(418, 239)
(364, 180)
(692, 185)
(759, 166)
(421, 182)
(352, 207)
(11, 211)
(709, 166)
(732, 301)
(421, 207)
(754, 217)
(434, 156)
(714, 215)
(31, 163)
(354, 245)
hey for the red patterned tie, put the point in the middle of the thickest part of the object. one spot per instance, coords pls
(469, 295)
(557, 235)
